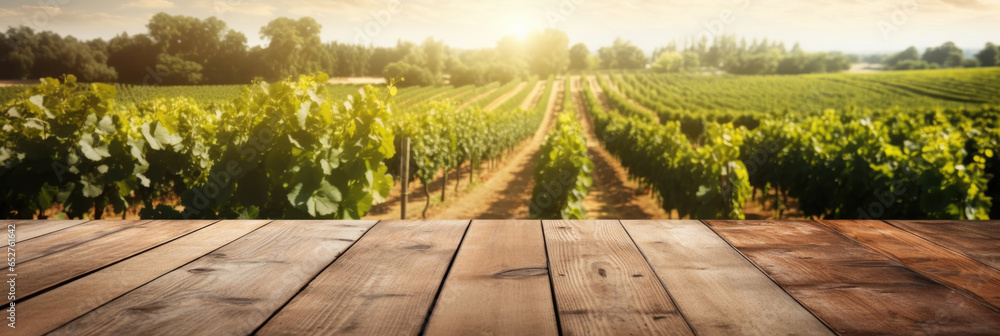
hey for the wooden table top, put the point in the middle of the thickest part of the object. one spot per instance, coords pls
(509, 277)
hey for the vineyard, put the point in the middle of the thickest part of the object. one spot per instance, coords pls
(912, 144)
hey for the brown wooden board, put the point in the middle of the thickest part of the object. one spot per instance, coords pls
(498, 284)
(63, 255)
(603, 285)
(28, 229)
(948, 267)
(384, 285)
(717, 289)
(852, 288)
(979, 240)
(231, 291)
(49, 310)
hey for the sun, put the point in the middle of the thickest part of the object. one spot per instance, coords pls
(519, 29)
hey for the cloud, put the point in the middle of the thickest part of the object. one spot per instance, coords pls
(220, 8)
(150, 4)
(972, 4)
(39, 16)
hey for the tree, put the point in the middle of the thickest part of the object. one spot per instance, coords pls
(989, 56)
(622, 55)
(910, 54)
(192, 50)
(46, 54)
(548, 52)
(947, 55)
(410, 74)
(293, 47)
(134, 58)
(970, 63)
(578, 55)
(668, 61)
(434, 52)
(691, 61)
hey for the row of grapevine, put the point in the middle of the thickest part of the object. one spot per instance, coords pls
(705, 182)
(910, 162)
(916, 164)
(281, 150)
(444, 137)
(562, 174)
(692, 124)
(809, 95)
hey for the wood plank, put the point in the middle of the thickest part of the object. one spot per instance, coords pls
(63, 255)
(719, 291)
(49, 310)
(852, 288)
(976, 239)
(384, 285)
(498, 284)
(28, 229)
(603, 285)
(958, 272)
(231, 291)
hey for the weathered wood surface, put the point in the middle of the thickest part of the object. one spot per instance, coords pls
(980, 240)
(851, 287)
(51, 309)
(498, 283)
(63, 255)
(383, 285)
(603, 285)
(28, 229)
(719, 291)
(957, 271)
(230, 291)
(506, 277)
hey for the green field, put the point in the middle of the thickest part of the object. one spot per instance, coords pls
(915, 144)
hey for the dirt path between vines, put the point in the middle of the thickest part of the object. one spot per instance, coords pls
(507, 193)
(390, 209)
(477, 98)
(611, 85)
(612, 196)
(506, 96)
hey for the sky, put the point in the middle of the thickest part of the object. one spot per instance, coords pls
(854, 26)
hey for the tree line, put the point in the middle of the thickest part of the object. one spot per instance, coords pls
(947, 55)
(179, 50)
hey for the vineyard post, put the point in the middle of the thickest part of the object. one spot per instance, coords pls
(404, 167)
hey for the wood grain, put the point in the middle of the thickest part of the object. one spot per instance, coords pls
(498, 284)
(384, 285)
(231, 291)
(958, 272)
(603, 285)
(28, 229)
(49, 310)
(979, 240)
(852, 288)
(63, 255)
(719, 291)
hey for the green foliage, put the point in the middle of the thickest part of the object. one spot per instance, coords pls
(410, 74)
(925, 149)
(948, 55)
(910, 54)
(704, 182)
(906, 164)
(668, 62)
(548, 52)
(281, 150)
(26, 54)
(989, 56)
(562, 175)
(579, 57)
(622, 54)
